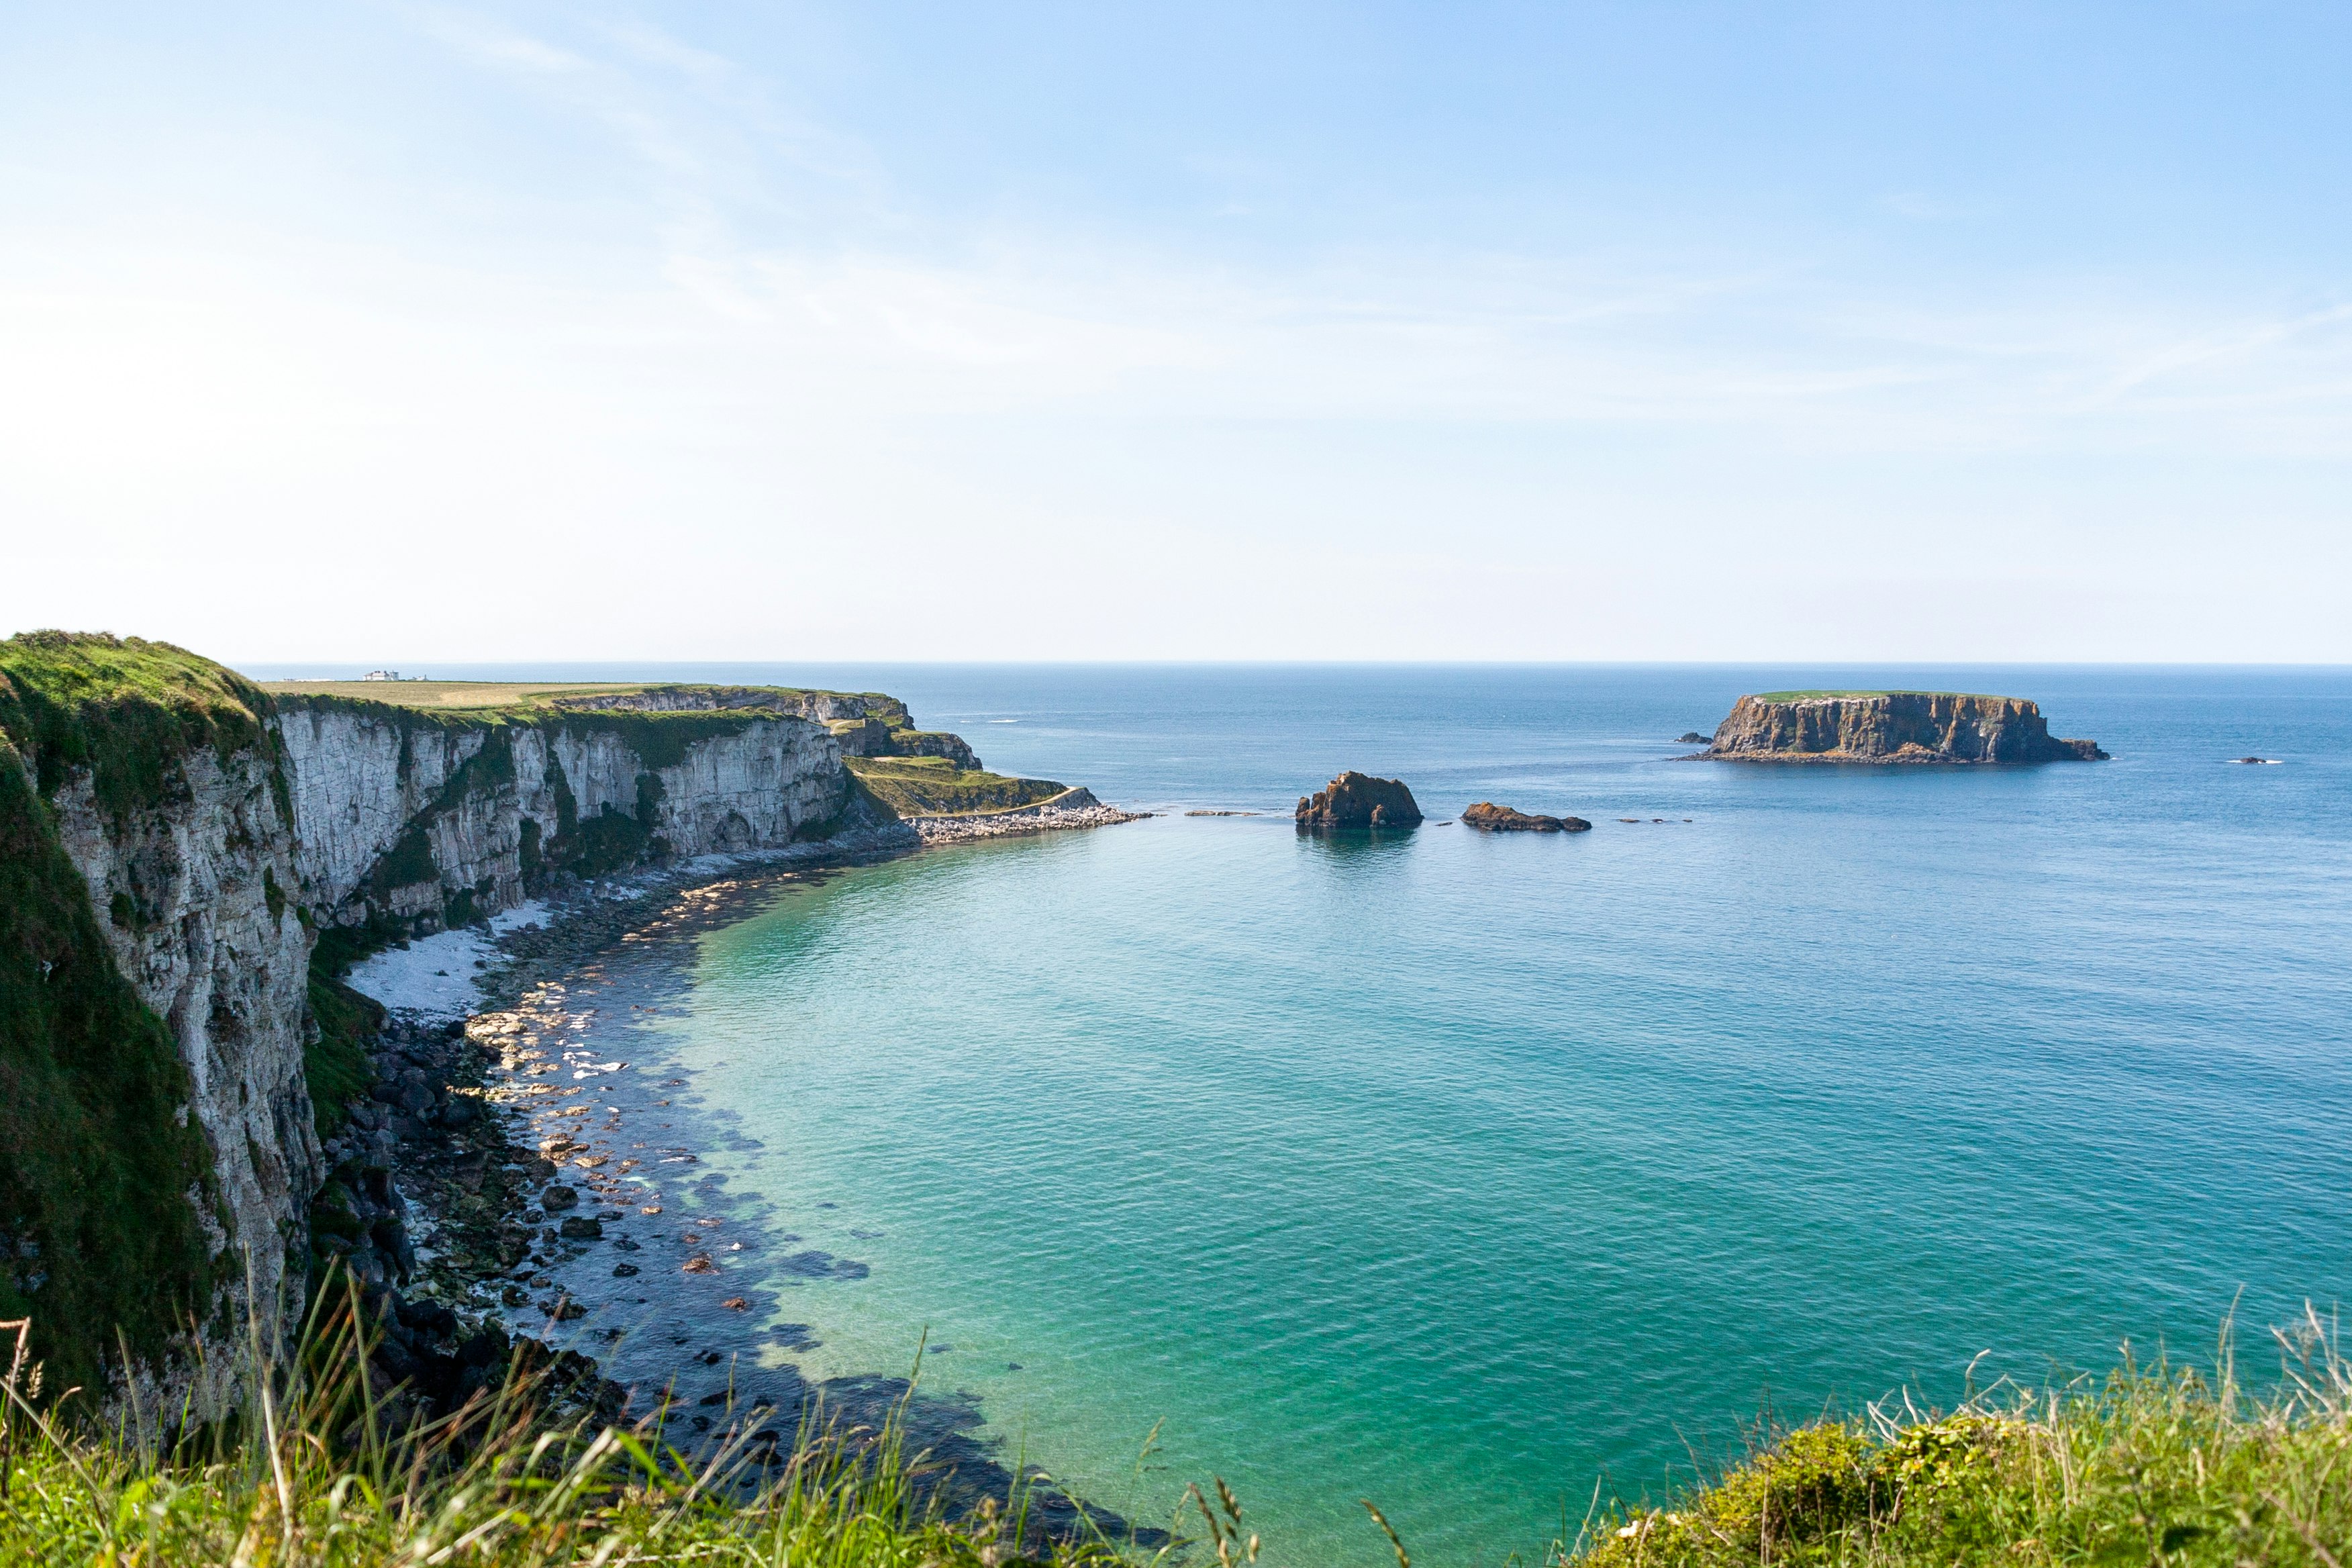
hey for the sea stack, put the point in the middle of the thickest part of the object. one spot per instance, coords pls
(1489, 818)
(1936, 728)
(1358, 800)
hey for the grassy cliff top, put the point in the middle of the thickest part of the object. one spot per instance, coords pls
(935, 786)
(464, 695)
(1905, 691)
(126, 707)
(536, 697)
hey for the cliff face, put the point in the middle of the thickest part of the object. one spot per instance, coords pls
(1358, 800)
(1892, 727)
(158, 1048)
(200, 925)
(171, 838)
(426, 821)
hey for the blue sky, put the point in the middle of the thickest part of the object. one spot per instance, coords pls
(995, 332)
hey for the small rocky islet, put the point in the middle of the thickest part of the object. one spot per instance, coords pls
(1891, 727)
(1489, 818)
(1356, 800)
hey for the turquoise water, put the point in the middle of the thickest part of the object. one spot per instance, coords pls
(1461, 1171)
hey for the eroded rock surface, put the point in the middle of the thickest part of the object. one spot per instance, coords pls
(1358, 800)
(1892, 727)
(1489, 818)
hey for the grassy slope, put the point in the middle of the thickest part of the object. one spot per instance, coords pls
(96, 1159)
(934, 786)
(2154, 1468)
(505, 1483)
(2160, 1469)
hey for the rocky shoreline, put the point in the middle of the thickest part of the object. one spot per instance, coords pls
(1073, 808)
(511, 1186)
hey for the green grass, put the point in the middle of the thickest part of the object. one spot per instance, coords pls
(318, 1470)
(540, 700)
(2151, 1467)
(2154, 1467)
(1813, 696)
(935, 786)
(128, 710)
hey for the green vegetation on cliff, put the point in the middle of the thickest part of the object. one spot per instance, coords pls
(128, 710)
(935, 786)
(102, 1170)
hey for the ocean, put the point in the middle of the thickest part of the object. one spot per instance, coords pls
(1468, 1173)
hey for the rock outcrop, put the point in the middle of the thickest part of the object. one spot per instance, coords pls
(1358, 800)
(1489, 818)
(1891, 727)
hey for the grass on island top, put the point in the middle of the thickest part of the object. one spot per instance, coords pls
(1816, 696)
(2152, 1467)
(935, 786)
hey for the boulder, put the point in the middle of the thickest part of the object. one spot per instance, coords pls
(1358, 800)
(1489, 818)
(1690, 738)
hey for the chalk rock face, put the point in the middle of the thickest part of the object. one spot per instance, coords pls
(1489, 818)
(1358, 800)
(1892, 727)
(432, 821)
(194, 895)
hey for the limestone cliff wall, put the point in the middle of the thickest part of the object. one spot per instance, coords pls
(171, 838)
(428, 821)
(190, 894)
(1892, 727)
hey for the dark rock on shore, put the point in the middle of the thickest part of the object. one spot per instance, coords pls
(1489, 818)
(1690, 738)
(1358, 800)
(1892, 728)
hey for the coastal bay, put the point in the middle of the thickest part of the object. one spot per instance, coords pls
(1484, 1164)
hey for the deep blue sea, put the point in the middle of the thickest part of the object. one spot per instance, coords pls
(1462, 1173)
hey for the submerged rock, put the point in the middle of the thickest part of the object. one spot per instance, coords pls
(1358, 800)
(1489, 818)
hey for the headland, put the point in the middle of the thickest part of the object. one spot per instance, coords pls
(196, 860)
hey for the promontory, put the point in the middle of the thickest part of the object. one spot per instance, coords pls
(1891, 727)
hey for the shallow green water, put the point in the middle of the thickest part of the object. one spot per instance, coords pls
(1459, 1172)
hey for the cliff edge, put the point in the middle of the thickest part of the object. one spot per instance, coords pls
(187, 856)
(1891, 727)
